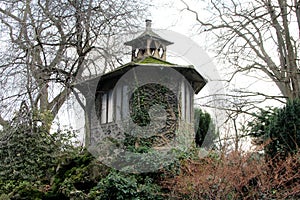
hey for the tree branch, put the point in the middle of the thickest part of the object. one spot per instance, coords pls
(58, 101)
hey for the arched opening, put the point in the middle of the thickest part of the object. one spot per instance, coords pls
(152, 48)
(136, 51)
(160, 51)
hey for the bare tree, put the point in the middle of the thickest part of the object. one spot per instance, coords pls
(46, 45)
(256, 35)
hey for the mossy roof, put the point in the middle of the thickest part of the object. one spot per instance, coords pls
(187, 70)
(153, 60)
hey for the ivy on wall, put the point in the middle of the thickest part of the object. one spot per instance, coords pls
(155, 100)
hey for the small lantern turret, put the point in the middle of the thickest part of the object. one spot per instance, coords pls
(148, 44)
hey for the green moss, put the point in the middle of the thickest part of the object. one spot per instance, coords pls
(153, 60)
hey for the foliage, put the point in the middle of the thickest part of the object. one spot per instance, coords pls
(278, 129)
(4, 197)
(124, 186)
(76, 176)
(64, 172)
(27, 149)
(30, 154)
(80, 176)
(235, 176)
(148, 105)
(84, 178)
(217, 176)
(205, 129)
(150, 95)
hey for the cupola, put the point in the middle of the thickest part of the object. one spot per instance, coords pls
(148, 44)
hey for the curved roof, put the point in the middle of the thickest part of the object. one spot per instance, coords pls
(108, 80)
(147, 34)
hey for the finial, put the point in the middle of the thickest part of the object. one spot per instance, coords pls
(148, 24)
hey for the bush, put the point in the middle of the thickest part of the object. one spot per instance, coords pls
(30, 155)
(204, 128)
(77, 175)
(236, 176)
(27, 150)
(38, 165)
(278, 129)
(125, 186)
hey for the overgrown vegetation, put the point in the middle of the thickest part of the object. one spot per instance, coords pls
(205, 129)
(236, 176)
(30, 155)
(278, 129)
(29, 152)
(39, 165)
